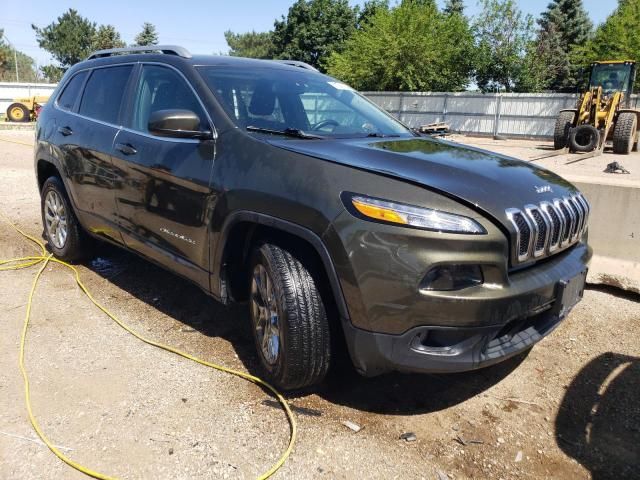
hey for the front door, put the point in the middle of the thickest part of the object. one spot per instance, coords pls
(165, 203)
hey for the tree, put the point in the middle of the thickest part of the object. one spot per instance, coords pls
(313, 30)
(368, 10)
(69, 40)
(564, 25)
(107, 37)
(618, 38)
(411, 47)
(251, 44)
(454, 7)
(8, 57)
(503, 34)
(148, 35)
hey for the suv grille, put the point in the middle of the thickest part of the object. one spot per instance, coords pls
(544, 229)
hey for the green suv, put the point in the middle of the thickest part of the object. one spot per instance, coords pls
(268, 182)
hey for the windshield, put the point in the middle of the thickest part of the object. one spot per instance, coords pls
(297, 100)
(611, 77)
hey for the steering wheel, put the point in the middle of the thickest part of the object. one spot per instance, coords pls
(325, 123)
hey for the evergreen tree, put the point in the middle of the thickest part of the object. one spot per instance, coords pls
(251, 44)
(564, 25)
(454, 6)
(148, 35)
(107, 37)
(69, 40)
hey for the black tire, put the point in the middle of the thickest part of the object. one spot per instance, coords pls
(584, 138)
(17, 112)
(304, 351)
(76, 244)
(625, 132)
(564, 122)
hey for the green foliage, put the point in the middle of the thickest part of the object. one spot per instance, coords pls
(454, 7)
(52, 73)
(313, 30)
(503, 35)
(368, 10)
(69, 39)
(148, 35)
(564, 26)
(410, 47)
(618, 38)
(251, 44)
(107, 37)
(26, 70)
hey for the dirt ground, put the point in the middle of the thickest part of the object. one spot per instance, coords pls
(568, 409)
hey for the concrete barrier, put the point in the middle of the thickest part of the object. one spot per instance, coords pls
(614, 233)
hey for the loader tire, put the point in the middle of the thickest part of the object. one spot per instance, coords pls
(625, 132)
(584, 138)
(17, 112)
(561, 131)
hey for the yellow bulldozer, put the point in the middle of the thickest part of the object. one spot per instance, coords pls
(603, 112)
(26, 109)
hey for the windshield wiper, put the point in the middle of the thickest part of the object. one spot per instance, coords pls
(381, 135)
(288, 132)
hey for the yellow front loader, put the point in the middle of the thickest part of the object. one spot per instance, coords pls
(603, 112)
(26, 109)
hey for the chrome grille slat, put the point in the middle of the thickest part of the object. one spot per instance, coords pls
(544, 229)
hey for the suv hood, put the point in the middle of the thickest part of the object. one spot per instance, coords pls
(486, 180)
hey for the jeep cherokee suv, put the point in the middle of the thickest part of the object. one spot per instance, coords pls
(268, 182)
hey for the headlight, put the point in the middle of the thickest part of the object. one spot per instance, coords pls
(419, 217)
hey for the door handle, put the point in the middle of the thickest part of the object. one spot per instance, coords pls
(126, 149)
(66, 131)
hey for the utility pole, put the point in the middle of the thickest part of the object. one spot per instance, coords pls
(15, 57)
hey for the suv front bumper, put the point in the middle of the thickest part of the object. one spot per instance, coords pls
(441, 349)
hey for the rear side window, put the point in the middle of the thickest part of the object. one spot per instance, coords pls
(103, 93)
(70, 94)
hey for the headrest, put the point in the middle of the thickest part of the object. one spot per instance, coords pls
(263, 100)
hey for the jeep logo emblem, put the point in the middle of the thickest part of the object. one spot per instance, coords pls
(543, 189)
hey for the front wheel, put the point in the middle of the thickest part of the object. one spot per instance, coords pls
(62, 230)
(289, 321)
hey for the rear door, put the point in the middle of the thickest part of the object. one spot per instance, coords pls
(87, 134)
(165, 202)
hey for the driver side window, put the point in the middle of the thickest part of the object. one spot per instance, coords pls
(161, 88)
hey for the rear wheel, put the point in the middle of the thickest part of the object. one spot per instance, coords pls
(625, 132)
(62, 230)
(289, 321)
(561, 131)
(17, 112)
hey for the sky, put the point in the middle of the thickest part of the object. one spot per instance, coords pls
(197, 25)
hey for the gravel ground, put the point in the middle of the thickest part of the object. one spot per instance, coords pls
(567, 409)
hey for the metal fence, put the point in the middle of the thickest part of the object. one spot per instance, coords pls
(11, 90)
(508, 114)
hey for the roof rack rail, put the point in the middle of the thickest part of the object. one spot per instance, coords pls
(298, 63)
(166, 49)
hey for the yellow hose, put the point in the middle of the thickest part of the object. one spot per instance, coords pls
(44, 259)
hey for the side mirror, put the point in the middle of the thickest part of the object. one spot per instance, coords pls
(177, 124)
